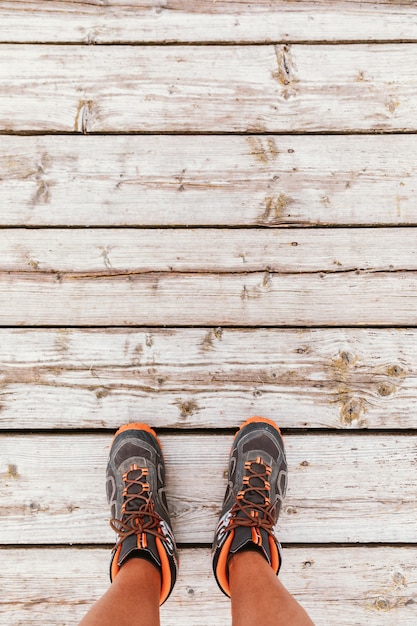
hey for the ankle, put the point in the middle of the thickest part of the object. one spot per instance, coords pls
(136, 570)
(247, 560)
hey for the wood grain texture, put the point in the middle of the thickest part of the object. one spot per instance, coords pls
(134, 251)
(208, 378)
(208, 180)
(99, 21)
(341, 488)
(255, 299)
(298, 88)
(344, 487)
(346, 586)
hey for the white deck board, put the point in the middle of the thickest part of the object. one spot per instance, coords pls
(352, 298)
(208, 378)
(208, 180)
(285, 130)
(115, 21)
(342, 488)
(299, 88)
(350, 586)
(286, 251)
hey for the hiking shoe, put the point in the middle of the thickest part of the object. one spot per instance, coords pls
(136, 494)
(254, 495)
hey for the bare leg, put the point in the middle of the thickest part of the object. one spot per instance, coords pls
(131, 600)
(258, 597)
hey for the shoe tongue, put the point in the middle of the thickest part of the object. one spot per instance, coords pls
(135, 489)
(243, 540)
(256, 483)
(130, 550)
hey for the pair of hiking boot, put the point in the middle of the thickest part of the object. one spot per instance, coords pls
(136, 493)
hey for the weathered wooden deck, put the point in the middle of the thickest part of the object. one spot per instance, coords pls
(248, 175)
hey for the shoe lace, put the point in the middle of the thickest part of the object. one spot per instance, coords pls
(252, 507)
(138, 515)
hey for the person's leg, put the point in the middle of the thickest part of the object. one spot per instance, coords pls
(258, 596)
(144, 560)
(132, 600)
(246, 554)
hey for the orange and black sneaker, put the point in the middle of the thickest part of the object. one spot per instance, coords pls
(254, 495)
(136, 494)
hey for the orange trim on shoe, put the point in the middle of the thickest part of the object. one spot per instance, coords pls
(141, 541)
(136, 426)
(165, 571)
(274, 554)
(221, 569)
(264, 420)
(256, 537)
(115, 569)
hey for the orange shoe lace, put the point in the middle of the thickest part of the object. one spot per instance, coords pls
(138, 509)
(256, 487)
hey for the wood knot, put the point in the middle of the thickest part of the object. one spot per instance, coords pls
(211, 335)
(42, 193)
(399, 580)
(84, 116)
(101, 392)
(12, 471)
(342, 362)
(385, 389)
(267, 281)
(264, 150)
(291, 510)
(382, 604)
(346, 357)
(275, 207)
(351, 411)
(396, 371)
(187, 408)
(284, 73)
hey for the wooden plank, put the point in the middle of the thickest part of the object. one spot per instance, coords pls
(254, 299)
(176, 20)
(336, 585)
(208, 180)
(341, 488)
(289, 251)
(207, 378)
(302, 88)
